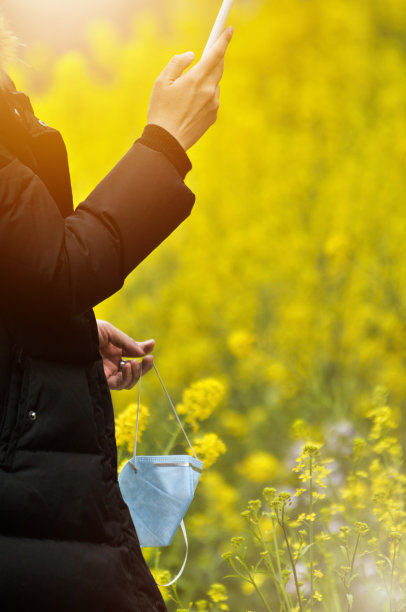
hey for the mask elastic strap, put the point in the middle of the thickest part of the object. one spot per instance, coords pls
(182, 526)
(173, 408)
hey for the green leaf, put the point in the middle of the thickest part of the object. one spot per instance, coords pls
(235, 576)
(386, 559)
(305, 549)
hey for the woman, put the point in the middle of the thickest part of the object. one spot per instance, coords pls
(67, 541)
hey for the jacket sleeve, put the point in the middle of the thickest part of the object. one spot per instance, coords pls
(156, 137)
(51, 265)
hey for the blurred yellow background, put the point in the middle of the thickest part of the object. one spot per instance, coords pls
(284, 292)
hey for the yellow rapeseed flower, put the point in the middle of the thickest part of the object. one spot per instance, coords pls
(122, 464)
(208, 448)
(259, 466)
(200, 400)
(241, 342)
(217, 593)
(234, 423)
(358, 447)
(162, 577)
(125, 425)
(323, 536)
(300, 430)
(383, 419)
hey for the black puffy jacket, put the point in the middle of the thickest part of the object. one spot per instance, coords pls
(67, 542)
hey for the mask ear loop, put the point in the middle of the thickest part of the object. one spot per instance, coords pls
(182, 524)
(138, 416)
(179, 574)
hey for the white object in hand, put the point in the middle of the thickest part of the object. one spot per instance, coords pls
(219, 24)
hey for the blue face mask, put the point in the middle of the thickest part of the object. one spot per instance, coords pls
(158, 490)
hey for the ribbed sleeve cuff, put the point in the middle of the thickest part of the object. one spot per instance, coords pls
(157, 138)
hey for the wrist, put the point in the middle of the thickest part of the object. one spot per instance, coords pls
(160, 139)
(172, 132)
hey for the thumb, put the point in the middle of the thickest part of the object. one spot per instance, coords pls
(131, 348)
(177, 65)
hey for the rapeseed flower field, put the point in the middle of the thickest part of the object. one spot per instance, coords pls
(279, 306)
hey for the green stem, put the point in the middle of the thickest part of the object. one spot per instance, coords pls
(311, 531)
(157, 558)
(275, 545)
(258, 590)
(348, 585)
(279, 583)
(175, 596)
(249, 578)
(241, 575)
(391, 577)
(173, 439)
(335, 598)
(332, 589)
(353, 556)
(171, 443)
(278, 561)
(299, 599)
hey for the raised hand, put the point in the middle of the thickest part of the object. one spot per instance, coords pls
(186, 105)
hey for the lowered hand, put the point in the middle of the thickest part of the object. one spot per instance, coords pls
(114, 345)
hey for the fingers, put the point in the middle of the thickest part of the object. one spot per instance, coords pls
(216, 54)
(132, 371)
(146, 347)
(214, 77)
(147, 364)
(129, 347)
(128, 377)
(128, 373)
(218, 72)
(217, 96)
(176, 66)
